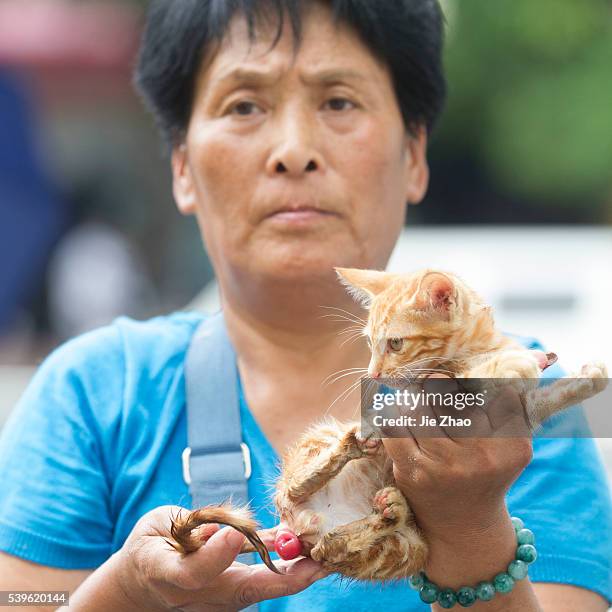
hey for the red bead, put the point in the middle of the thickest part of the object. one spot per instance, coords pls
(287, 545)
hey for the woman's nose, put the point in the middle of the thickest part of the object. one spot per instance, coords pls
(294, 153)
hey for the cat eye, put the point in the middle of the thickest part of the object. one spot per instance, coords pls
(395, 344)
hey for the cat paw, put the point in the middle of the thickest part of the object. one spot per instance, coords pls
(597, 373)
(368, 445)
(390, 504)
(517, 365)
(362, 447)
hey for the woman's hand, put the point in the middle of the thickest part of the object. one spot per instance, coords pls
(154, 576)
(457, 485)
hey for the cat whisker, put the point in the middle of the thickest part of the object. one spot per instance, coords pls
(343, 395)
(425, 369)
(336, 318)
(352, 315)
(337, 378)
(351, 330)
(352, 339)
(344, 370)
(371, 383)
(413, 374)
(348, 312)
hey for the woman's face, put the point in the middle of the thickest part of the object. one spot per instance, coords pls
(297, 162)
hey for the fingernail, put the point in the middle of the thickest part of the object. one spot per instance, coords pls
(233, 537)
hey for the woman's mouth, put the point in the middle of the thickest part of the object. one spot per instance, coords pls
(300, 216)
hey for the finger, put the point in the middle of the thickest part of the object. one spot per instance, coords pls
(506, 414)
(206, 563)
(206, 531)
(419, 419)
(462, 419)
(261, 584)
(268, 537)
(431, 436)
(405, 454)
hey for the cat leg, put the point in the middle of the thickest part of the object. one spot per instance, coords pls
(543, 402)
(312, 466)
(385, 545)
(518, 368)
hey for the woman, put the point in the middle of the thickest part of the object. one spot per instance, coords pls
(297, 149)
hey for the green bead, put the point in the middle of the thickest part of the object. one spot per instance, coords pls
(466, 597)
(518, 524)
(525, 536)
(485, 591)
(428, 593)
(518, 569)
(526, 553)
(416, 581)
(447, 598)
(503, 583)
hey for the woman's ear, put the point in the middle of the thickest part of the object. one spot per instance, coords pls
(416, 166)
(182, 181)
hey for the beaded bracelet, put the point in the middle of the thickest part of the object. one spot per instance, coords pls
(466, 597)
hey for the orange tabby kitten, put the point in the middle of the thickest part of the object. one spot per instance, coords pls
(336, 491)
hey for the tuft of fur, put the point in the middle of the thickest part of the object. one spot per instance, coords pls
(182, 528)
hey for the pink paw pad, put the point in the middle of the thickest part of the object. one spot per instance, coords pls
(369, 445)
(380, 501)
(287, 545)
(388, 513)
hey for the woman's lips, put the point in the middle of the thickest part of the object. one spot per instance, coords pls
(299, 216)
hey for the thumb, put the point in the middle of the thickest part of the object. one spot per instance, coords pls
(219, 552)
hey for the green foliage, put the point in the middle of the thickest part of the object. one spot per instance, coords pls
(530, 94)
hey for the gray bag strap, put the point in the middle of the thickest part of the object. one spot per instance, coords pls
(216, 462)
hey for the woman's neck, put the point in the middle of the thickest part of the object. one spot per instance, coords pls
(287, 348)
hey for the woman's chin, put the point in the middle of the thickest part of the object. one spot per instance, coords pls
(299, 260)
(298, 267)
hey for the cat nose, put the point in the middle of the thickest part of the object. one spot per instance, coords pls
(375, 374)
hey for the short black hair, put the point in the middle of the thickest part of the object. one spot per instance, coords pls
(407, 35)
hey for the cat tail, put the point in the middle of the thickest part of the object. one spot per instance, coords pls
(240, 519)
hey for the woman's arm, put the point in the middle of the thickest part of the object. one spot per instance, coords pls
(470, 558)
(147, 574)
(102, 590)
(477, 553)
(457, 488)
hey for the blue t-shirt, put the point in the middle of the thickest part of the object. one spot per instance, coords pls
(96, 441)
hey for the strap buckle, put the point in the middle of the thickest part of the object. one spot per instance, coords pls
(186, 456)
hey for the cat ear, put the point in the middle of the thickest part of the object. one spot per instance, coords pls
(436, 294)
(363, 285)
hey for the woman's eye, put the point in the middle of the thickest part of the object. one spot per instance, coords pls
(244, 108)
(340, 104)
(395, 344)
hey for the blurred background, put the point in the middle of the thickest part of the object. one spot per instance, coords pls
(520, 202)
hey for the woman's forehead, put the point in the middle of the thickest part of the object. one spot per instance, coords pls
(326, 51)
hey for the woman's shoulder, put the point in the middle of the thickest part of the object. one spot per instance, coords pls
(160, 337)
(116, 365)
(126, 341)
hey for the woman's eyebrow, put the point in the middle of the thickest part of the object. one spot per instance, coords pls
(332, 75)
